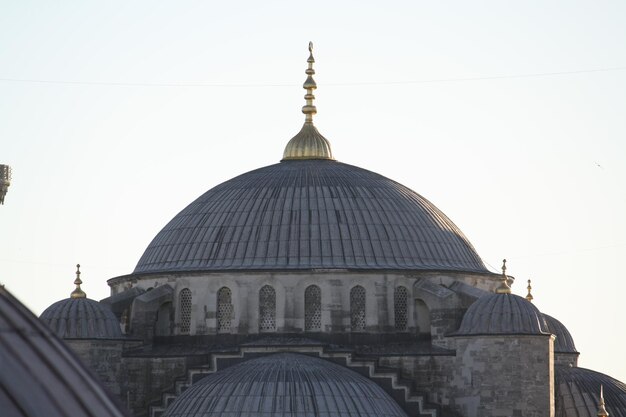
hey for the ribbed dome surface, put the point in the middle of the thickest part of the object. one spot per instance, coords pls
(310, 214)
(564, 342)
(81, 318)
(495, 314)
(286, 385)
(578, 393)
(39, 376)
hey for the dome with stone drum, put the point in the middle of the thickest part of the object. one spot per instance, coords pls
(79, 317)
(577, 392)
(287, 385)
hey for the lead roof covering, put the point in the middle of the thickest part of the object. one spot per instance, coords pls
(286, 385)
(564, 342)
(500, 314)
(577, 393)
(39, 376)
(81, 318)
(310, 214)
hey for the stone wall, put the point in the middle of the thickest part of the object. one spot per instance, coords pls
(104, 358)
(433, 309)
(565, 359)
(503, 376)
(148, 378)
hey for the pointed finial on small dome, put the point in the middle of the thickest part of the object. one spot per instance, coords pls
(601, 409)
(308, 143)
(504, 287)
(78, 292)
(529, 296)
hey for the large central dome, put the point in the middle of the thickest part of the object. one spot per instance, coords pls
(309, 212)
(306, 214)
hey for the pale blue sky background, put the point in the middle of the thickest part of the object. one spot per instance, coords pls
(100, 168)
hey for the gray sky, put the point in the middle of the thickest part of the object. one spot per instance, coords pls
(509, 116)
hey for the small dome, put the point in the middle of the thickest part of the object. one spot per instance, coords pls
(564, 342)
(40, 377)
(285, 384)
(81, 318)
(502, 314)
(577, 393)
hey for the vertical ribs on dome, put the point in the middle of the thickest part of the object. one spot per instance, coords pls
(308, 143)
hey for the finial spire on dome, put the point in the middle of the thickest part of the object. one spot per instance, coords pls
(309, 85)
(601, 409)
(529, 296)
(78, 292)
(504, 287)
(308, 143)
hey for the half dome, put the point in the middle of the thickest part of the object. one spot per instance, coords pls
(287, 385)
(500, 314)
(81, 318)
(308, 214)
(577, 393)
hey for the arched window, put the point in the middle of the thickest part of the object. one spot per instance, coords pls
(312, 309)
(400, 308)
(267, 309)
(224, 310)
(357, 308)
(184, 305)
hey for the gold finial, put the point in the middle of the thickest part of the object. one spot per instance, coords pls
(78, 292)
(504, 287)
(308, 143)
(601, 410)
(309, 85)
(529, 296)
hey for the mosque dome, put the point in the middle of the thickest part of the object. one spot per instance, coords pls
(40, 376)
(502, 313)
(286, 384)
(564, 342)
(578, 390)
(309, 212)
(79, 317)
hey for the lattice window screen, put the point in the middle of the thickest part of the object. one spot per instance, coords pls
(312, 308)
(185, 310)
(400, 306)
(267, 309)
(357, 308)
(224, 310)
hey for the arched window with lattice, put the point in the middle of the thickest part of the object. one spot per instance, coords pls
(224, 310)
(267, 309)
(312, 309)
(357, 308)
(400, 307)
(184, 305)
